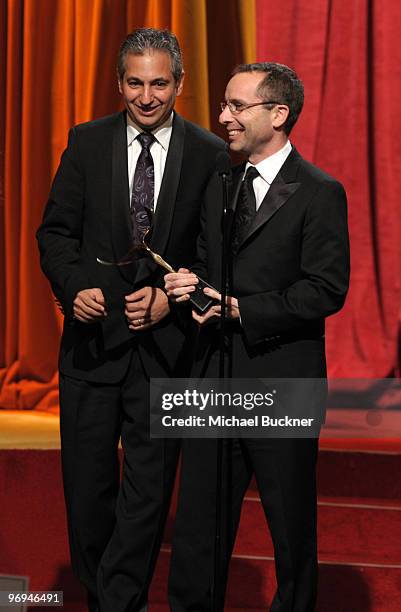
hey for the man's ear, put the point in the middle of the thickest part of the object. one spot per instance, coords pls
(279, 115)
(179, 85)
(120, 88)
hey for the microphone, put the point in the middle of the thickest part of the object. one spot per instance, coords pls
(223, 163)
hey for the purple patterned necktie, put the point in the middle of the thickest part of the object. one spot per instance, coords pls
(143, 189)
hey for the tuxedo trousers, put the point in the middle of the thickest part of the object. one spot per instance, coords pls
(285, 474)
(115, 517)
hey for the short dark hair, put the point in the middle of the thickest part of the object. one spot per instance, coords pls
(281, 84)
(138, 41)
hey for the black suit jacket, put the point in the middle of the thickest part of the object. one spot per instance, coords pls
(87, 216)
(290, 272)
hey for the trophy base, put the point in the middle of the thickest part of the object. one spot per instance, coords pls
(200, 300)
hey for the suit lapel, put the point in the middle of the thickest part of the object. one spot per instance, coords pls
(281, 189)
(235, 186)
(120, 206)
(168, 189)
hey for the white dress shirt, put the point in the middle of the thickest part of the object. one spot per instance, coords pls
(268, 169)
(158, 149)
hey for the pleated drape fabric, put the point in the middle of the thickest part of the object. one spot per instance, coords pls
(58, 68)
(349, 57)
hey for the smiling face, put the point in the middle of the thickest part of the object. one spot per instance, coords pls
(148, 88)
(254, 131)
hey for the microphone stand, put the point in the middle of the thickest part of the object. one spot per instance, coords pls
(224, 173)
(224, 263)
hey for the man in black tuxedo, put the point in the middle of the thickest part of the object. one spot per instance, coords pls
(289, 270)
(119, 329)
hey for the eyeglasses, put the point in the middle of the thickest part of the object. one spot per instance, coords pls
(236, 108)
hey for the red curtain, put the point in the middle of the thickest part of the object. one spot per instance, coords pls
(348, 54)
(57, 68)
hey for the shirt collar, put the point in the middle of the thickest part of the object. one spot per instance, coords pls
(269, 167)
(161, 133)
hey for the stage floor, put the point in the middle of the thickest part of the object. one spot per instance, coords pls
(29, 430)
(346, 429)
(358, 508)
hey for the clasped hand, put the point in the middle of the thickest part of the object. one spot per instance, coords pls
(143, 308)
(179, 285)
(89, 305)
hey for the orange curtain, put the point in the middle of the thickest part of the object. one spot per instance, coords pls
(58, 69)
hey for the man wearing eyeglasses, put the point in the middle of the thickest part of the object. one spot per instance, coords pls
(289, 270)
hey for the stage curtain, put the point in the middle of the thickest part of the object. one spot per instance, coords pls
(347, 52)
(58, 69)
